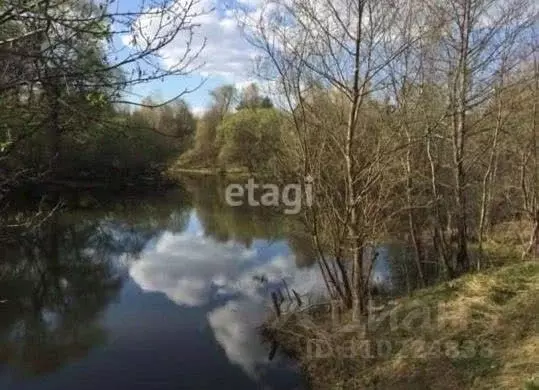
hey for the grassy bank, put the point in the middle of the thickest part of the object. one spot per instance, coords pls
(194, 171)
(480, 331)
(233, 173)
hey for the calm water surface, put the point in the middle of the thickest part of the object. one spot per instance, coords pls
(162, 293)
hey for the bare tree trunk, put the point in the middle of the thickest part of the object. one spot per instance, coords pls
(534, 187)
(486, 187)
(439, 234)
(414, 234)
(460, 106)
(533, 244)
(358, 288)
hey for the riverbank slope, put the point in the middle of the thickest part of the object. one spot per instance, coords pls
(479, 331)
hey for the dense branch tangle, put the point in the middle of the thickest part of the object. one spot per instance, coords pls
(385, 97)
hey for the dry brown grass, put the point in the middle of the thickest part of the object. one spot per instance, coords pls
(484, 334)
(511, 233)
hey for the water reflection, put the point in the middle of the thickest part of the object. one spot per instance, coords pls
(192, 269)
(165, 292)
(89, 287)
(53, 288)
(242, 224)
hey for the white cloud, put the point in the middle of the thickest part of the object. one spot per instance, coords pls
(188, 268)
(198, 111)
(235, 329)
(191, 270)
(185, 267)
(225, 52)
(244, 83)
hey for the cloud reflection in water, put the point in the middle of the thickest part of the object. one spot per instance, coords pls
(193, 270)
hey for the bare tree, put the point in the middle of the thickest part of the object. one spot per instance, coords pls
(335, 54)
(530, 181)
(475, 38)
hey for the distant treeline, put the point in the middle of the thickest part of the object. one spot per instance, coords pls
(65, 110)
(240, 129)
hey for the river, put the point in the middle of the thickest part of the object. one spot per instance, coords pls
(161, 292)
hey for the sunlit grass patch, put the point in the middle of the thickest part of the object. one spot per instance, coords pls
(485, 336)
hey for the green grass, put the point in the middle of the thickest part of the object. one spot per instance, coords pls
(532, 384)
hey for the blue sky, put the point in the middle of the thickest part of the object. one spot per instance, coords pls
(227, 57)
